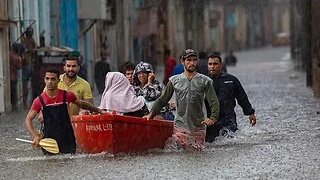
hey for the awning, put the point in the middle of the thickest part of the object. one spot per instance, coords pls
(57, 51)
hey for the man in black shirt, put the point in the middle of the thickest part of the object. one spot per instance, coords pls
(228, 89)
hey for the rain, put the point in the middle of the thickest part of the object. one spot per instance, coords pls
(284, 144)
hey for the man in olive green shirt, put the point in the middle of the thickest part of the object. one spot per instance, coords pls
(190, 89)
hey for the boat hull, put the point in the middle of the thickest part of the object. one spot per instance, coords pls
(119, 134)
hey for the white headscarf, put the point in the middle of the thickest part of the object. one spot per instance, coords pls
(119, 94)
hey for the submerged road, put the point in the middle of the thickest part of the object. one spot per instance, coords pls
(283, 145)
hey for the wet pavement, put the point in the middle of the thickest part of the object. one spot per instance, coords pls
(283, 145)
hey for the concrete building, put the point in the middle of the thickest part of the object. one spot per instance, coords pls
(305, 37)
(131, 30)
(315, 47)
(5, 101)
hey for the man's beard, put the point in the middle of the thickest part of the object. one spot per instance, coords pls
(190, 70)
(215, 73)
(74, 74)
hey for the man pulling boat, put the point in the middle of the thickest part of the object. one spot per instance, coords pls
(53, 103)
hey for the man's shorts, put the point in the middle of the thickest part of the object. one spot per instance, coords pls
(26, 72)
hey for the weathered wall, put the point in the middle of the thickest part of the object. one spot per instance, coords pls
(176, 27)
(5, 101)
(315, 47)
(305, 40)
(241, 31)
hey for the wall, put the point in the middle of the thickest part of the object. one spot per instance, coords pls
(68, 17)
(315, 47)
(214, 27)
(241, 30)
(5, 101)
(176, 27)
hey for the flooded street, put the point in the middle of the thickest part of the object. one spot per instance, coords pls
(284, 144)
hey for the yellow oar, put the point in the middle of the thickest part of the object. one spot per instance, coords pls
(48, 144)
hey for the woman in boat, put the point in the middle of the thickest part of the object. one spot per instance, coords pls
(119, 96)
(146, 85)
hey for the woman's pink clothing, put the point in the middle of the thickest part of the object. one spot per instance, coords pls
(119, 94)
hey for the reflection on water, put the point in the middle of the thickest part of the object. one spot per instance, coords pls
(59, 157)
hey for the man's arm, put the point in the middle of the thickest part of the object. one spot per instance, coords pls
(90, 100)
(244, 102)
(28, 123)
(82, 111)
(213, 102)
(161, 101)
(243, 99)
(85, 105)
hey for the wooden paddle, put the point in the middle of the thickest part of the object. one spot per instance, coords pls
(48, 144)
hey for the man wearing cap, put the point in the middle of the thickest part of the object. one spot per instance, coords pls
(190, 89)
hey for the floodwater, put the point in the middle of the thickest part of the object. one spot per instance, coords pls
(283, 145)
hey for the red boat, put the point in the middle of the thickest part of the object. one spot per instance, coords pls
(117, 133)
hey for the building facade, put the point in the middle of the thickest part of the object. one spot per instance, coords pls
(305, 38)
(5, 101)
(132, 30)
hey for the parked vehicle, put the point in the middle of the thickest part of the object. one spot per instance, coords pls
(281, 39)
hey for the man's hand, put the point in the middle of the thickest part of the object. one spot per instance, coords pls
(252, 119)
(148, 116)
(35, 141)
(104, 112)
(84, 112)
(208, 121)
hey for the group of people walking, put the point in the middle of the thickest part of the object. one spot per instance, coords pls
(135, 91)
(217, 89)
